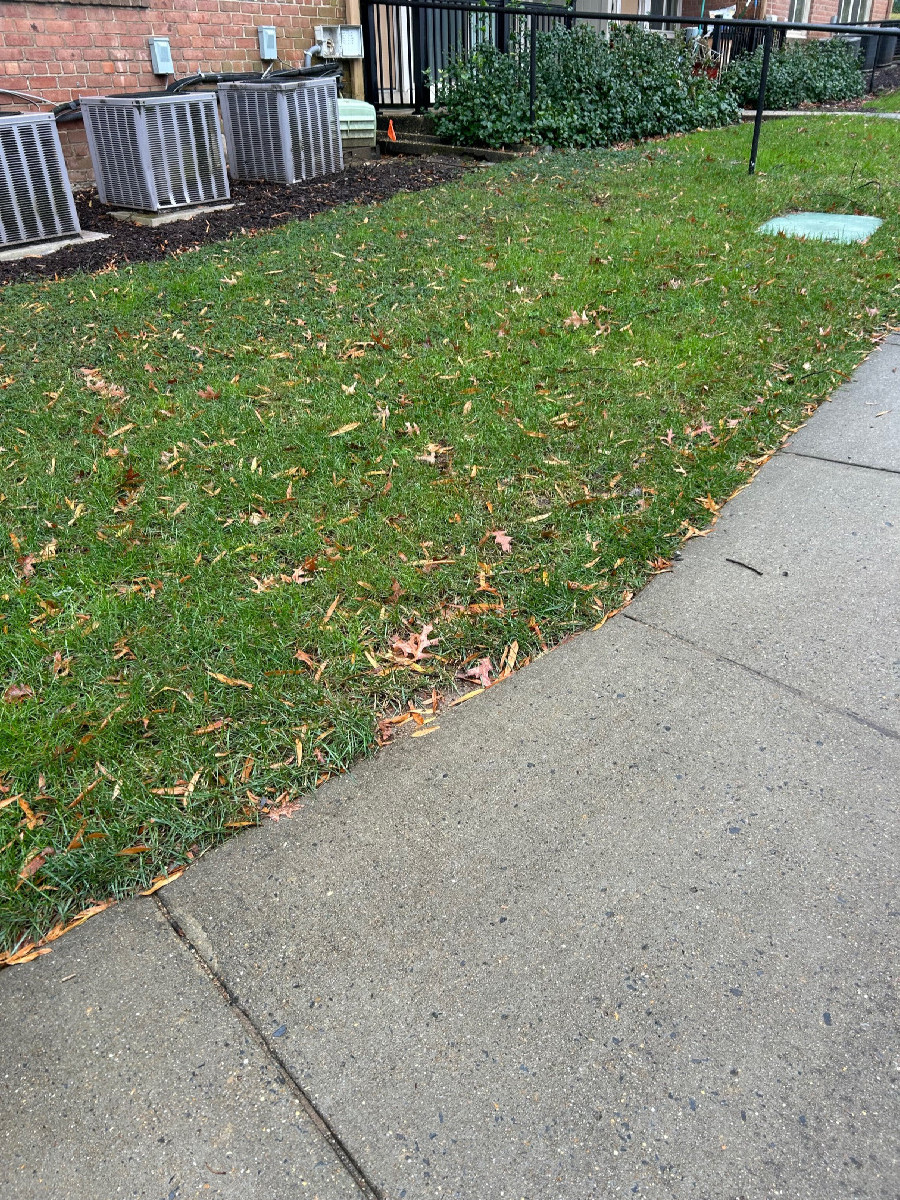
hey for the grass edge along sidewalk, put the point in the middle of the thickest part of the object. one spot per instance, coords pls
(259, 496)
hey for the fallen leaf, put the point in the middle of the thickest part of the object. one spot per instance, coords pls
(60, 665)
(285, 810)
(31, 950)
(708, 503)
(76, 843)
(33, 863)
(208, 393)
(466, 696)
(332, 606)
(212, 727)
(502, 539)
(17, 692)
(414, 647)
(32, 819)
(95, 381)
(161, 881)
(481, 672)
(135, 850)
(24, 956)
(231, 682)
(576, 320)
(345, 429)
(659, 564)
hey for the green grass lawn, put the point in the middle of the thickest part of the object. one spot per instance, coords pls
(239, 486)
(886, 102)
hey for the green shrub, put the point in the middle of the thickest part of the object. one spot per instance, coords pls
(590, 91)
(816, 72)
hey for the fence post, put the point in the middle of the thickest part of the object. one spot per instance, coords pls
(370, 52)
(421, 97)
(501, 29)
(716, 36)
(761, 98)
(875, 54)
(532, 70)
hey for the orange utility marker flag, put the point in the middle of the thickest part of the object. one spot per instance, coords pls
(392, 137)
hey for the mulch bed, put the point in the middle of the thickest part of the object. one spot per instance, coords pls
(258, 206)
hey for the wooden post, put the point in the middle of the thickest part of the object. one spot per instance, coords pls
(353, 68)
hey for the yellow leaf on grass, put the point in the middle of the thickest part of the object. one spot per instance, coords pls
(212, 727)
(345, 428)
(330, 612)
(232, 682)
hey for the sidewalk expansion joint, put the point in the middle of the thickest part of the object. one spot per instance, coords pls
(319, 1122)
(813, 701)
(842, 462)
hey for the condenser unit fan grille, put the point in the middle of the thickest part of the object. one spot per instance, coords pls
(186, 153)
(114, 138)
(282, 132)
(36, 203)
(254, 131)
(320, 130)
(156, 152)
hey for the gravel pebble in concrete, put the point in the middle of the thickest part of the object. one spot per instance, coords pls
(125, 1074)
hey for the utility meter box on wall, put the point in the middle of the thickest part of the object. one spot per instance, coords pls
(161, 56)
(268, 43)
(339, 41)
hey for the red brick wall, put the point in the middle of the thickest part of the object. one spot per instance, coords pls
(64, 50)
(821, 11)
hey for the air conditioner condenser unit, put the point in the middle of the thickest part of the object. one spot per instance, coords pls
(36, 203)
(282, 132)
(155, 151)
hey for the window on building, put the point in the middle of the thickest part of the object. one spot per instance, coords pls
(798, 10)
(660, 8)
(851, 12)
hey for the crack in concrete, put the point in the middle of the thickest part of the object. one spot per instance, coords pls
(842, 463)
(319, 1122)
(814, 701)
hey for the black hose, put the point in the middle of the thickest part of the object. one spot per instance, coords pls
(213, 77)
(70, 110)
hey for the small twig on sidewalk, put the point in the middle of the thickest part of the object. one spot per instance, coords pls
(747, 566)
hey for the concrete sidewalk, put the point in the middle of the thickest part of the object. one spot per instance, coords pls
(623, 927)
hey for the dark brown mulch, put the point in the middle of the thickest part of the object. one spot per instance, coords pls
(258, 206)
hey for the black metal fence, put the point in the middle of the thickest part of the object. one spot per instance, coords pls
(408, 43)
